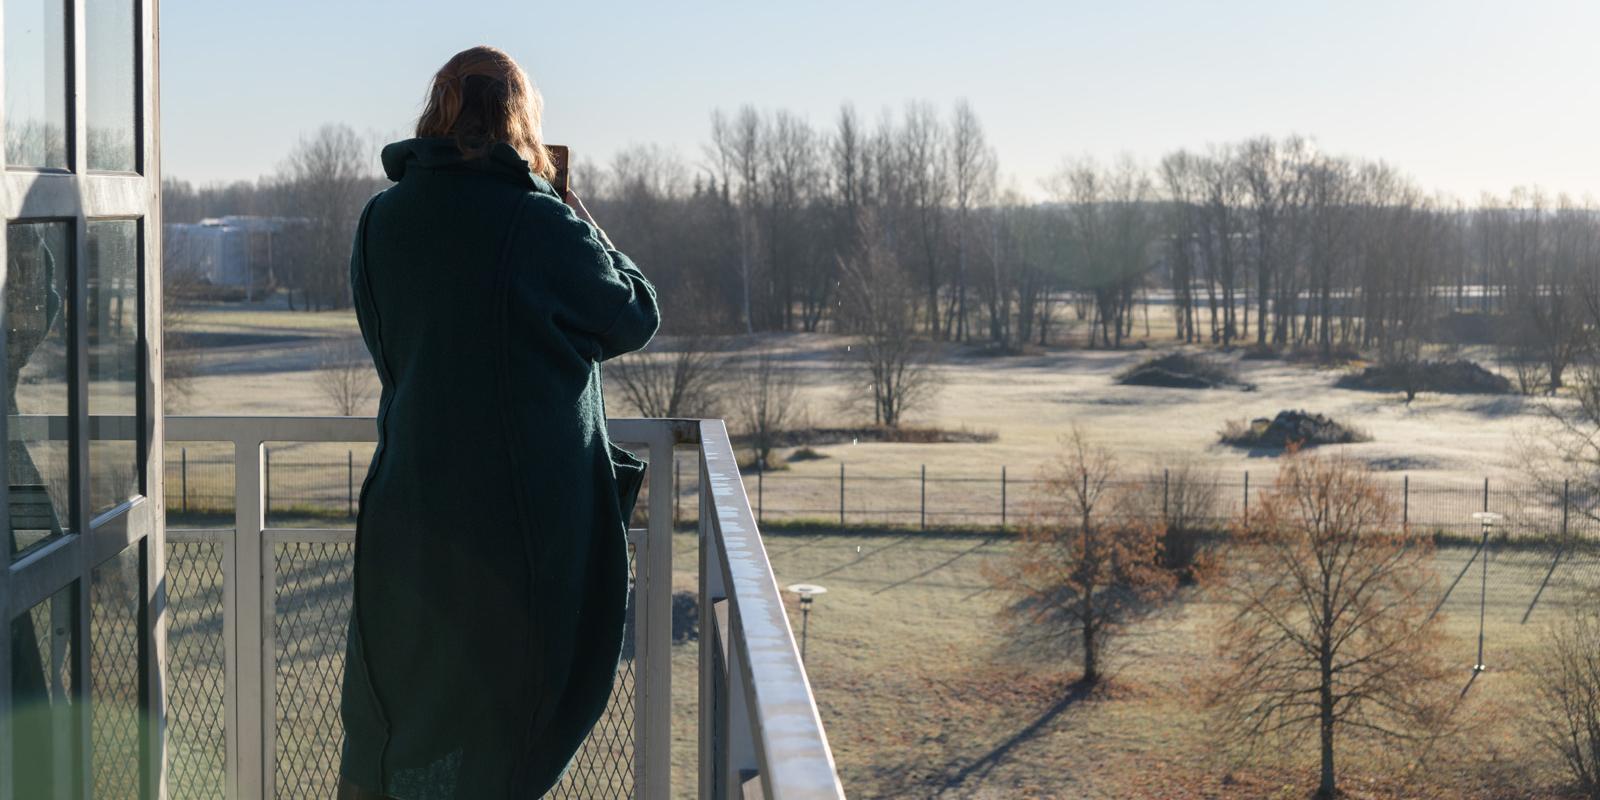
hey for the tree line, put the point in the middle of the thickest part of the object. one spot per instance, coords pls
(1268, 242)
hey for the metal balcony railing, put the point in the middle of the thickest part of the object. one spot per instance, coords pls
(257, 619)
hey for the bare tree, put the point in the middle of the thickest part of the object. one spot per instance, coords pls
(679, 377)
(892, 367)
(1562, 452)
(767, 403)
(326, 179)
(346, 377)
(1087, 563)
(179, 361)
(972, 177)
(1567, 697)
(1329, 630)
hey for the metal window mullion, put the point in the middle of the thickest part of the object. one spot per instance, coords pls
(147, 160)
(78, 369)
(6, 750)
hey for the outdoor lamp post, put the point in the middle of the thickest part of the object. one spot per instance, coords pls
(1487, 519)
(806, 592)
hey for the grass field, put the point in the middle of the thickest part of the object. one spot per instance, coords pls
(922, 696)
(921, 692)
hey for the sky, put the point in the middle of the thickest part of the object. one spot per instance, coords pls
(1464, 96)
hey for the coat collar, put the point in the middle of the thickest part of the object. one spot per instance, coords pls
(502, 160)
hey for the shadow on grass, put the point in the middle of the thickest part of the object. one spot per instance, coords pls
(952, 778)
(936, 567)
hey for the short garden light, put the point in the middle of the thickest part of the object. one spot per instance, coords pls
(806, 592)
(1487, 519)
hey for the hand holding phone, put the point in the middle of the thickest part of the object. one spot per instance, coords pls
(562, 159)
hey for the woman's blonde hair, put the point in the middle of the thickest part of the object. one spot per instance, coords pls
(481, 97)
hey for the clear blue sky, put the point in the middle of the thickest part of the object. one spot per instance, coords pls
(1464, 95)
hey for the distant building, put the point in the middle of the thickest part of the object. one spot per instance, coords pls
(232, 252)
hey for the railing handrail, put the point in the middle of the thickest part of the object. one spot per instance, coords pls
(777, 742)
(791, 752)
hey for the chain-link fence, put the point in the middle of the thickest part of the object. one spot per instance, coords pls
(328, 489)
(923, 499)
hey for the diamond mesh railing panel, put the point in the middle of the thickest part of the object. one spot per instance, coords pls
(196, 679)
(311, 613)
(115, 596)
(603, 765)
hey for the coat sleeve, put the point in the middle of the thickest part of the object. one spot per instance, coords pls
(599, 293)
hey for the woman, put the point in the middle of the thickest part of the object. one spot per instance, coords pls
(491, 564)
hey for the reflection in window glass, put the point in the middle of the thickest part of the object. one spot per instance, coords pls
(42, 643)
(36, 83)
(116, 623)
(112, 310)
(38, 260)
(109, 26)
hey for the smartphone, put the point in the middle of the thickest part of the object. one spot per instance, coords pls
(563, 160)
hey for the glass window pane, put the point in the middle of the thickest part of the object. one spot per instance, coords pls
(116, 674)
(112, 309)
(36, 83)
(38, 258)
(45, 749)
(109, 26)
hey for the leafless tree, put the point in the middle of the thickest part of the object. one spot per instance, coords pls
(767, 403)
(346, 378)
(891, 363)
(922, 158)
(972, 178)
(672, 378)
(179, 360)
(1566, 709)
(1112, 226)
(1328, 630)
(326, 180)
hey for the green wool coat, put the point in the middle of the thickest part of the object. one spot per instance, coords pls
(491, 569)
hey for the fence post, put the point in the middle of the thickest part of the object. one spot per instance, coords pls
(922, 518)
(1405, 502)
(350, 483)
(677, 481)
(1002, 497)
(185, 481)
(266, 481)
(1247, 497)
(761, 488)
(1485, 493)
(841, 495)
(1166, 493)
(1566, 507)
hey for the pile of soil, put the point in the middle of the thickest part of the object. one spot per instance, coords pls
(1182, 371)
(1301, 428)
(1446, 377)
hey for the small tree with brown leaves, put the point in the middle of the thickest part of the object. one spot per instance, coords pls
(1088, 561)
(1329, 628)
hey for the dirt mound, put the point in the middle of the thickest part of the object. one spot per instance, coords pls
(1301, 428)
(1182, 371)
(1445, 377)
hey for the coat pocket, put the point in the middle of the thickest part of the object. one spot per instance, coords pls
(629, 470)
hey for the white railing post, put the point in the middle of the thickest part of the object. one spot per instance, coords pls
(712, 648)
(653, 628)
(247, 694)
